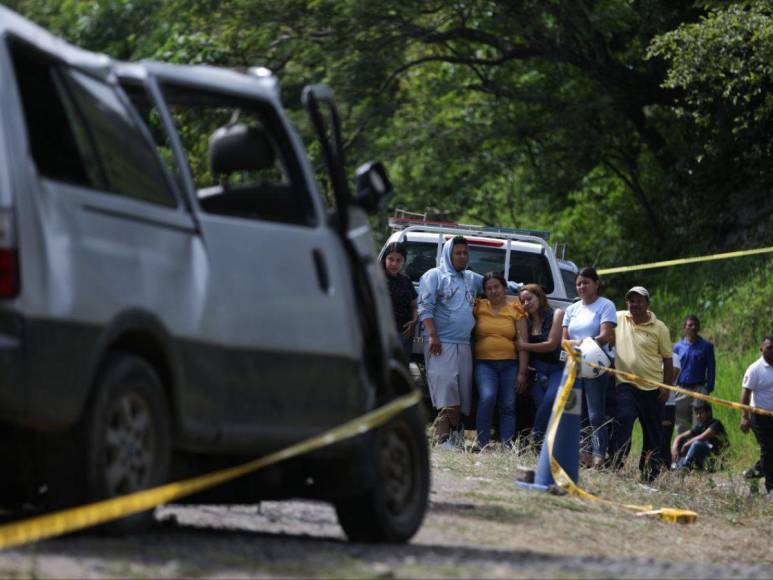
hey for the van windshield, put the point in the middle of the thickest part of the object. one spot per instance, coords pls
(525, 267)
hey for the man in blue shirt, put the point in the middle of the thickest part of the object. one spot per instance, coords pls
(446, 300)
(698, 366)
(445, 307)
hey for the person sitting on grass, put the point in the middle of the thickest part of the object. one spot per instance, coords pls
(707, 438)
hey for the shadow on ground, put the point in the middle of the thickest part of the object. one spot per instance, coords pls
(221, 552)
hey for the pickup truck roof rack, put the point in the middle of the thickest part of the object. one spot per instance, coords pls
(401, 223)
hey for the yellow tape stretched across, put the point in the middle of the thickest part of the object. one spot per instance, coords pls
(682, 261)
(639, 381)
(565, 482)
(70, 520)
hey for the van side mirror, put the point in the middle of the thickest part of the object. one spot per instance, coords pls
(240, 148)
(373, 186)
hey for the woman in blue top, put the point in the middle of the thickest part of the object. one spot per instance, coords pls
(544, 343)
(596, 317)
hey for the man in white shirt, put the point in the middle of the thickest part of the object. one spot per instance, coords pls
(758, 379)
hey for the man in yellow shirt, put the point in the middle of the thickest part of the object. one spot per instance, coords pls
(643, 348)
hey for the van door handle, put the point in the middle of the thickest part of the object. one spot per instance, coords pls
(322, 275)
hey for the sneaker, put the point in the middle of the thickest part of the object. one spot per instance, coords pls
(449, 445)
(510, 446)
(752, 473)
(456, 438)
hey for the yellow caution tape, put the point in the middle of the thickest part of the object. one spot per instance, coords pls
(682, 261)
(675, 516)
(70, 520)
(565, 482)
(640, 381)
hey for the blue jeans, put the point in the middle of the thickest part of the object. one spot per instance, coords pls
(633, 403)
(495, 380)
(763, 431)
(596, 400)
(544, 391)
(407, 344)
(696, 455)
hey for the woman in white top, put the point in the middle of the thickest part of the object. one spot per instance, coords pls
(593, 316)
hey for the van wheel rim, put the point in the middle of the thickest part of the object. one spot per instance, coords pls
(129, 450)
(397, 473)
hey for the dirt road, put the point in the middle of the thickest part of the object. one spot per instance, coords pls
(478, 526)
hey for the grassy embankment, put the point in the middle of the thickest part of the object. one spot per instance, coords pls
(734, 300)
(501, 516)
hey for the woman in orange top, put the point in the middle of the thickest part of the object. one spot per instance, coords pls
(499, 323)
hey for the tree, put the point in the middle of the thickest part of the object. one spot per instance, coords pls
(534, 113)
(722, 68)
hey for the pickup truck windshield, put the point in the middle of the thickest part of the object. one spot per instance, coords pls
(525, 267)
(570, 278)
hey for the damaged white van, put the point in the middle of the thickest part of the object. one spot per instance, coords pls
(177, 296)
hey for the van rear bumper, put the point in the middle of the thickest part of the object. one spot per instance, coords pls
(44, 365)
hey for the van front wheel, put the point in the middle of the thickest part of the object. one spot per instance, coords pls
(393, 508)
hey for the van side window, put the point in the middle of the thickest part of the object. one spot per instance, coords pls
(148, 112)
(270, 187)
(82, 133)
(51, 137)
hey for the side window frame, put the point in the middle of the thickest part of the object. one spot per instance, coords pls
(70, 76)
(541, 260)
(182, 182)
(274, 124)
(80, 135)
(21, 54)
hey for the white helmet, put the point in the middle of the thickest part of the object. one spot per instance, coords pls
(590, 351)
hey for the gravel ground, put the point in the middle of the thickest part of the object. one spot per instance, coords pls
(465, 535)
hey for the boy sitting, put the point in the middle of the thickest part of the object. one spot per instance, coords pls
(708, 437)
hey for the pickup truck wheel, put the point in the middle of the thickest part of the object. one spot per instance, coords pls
(393, 509)
(127, 435)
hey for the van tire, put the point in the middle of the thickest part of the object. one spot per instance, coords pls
(127, 436)
(393, 508)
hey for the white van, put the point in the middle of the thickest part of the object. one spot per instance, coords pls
(176, 295)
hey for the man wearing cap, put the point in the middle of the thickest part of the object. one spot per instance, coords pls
(698, 368)
(643, 346)
(708, 437)
(758, 380)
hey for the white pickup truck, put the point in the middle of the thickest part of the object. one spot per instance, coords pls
(523, 256)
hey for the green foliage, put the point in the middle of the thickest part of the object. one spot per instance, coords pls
(633, 130)
(722, 70)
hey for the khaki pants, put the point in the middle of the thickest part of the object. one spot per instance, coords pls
(684, 419)
(449, 376)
